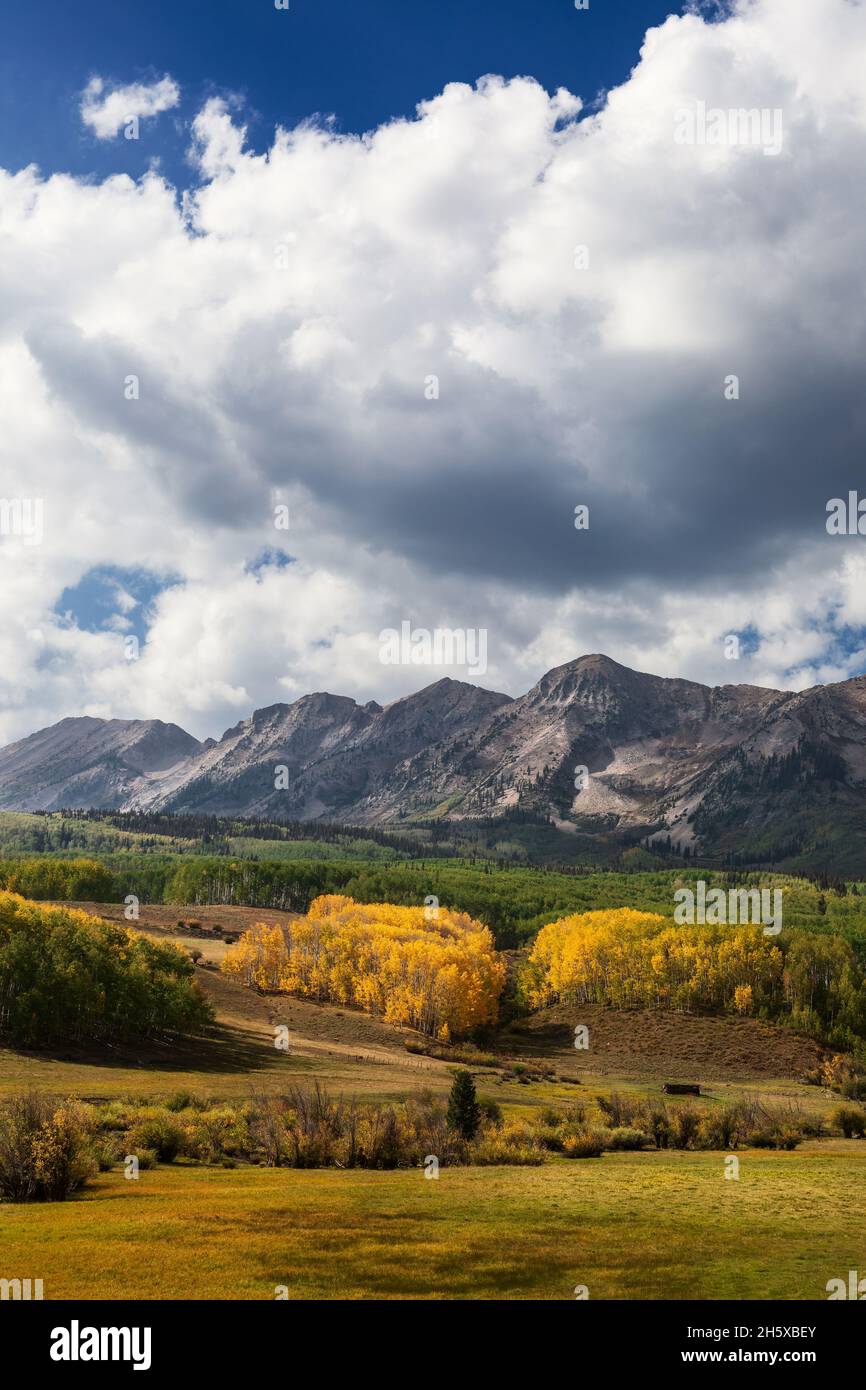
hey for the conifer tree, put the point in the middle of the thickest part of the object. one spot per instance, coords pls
(464, 1112)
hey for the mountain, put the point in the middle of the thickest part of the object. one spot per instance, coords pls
(594, 747)
(85, 762)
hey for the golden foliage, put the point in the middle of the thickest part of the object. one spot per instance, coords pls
(623, 957)
(443, 977)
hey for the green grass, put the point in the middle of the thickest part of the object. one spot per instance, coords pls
(652, 1225)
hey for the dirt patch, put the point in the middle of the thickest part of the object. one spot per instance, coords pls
(674, 1046)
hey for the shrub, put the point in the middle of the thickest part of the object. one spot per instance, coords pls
(105, 1153)
(683, 1127)
(160, 1131)
(549, 1116)
(589, 1144)
(46, 1152)
(551, 1137)
(658, 1126)
(761, 1139)
(217, 1134)
(850, 1119)
(491, 1111)
(381, 1140)
(487, 1152)
(812, 1127)
(625, 1138)
(467, 1053)
(768, 1137)
(516, 1134)
(268, 1130)
(115, 1115)
(720, 1128)
(575, 1115)
(181, 1100)
(618, 1110)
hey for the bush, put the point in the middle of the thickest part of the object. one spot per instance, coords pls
(812, 1127)
(116, 1115)
(516, 1134)
(683, 1127)
(467, 1053)
(105, 1153)
(491, 1111)
(770, 1138)
(217, 1134)
(551, 1137)
(487, 1152)
(160, 1131)
(618, 1110)
(589, 1144)
(658, 1126)
(625, 1138)
(761, 1139)
(181, 1100)
(46, 1152)
(268, 1130)
(549, 1116)
(720, 1128)
(850, 1119)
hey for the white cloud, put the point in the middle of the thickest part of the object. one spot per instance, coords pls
(105, 109)
(283, 317)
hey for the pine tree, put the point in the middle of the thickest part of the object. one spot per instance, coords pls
(464, 1112)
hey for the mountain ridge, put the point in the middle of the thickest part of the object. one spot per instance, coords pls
(593, 746)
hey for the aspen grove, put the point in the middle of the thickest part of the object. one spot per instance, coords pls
(435, 970)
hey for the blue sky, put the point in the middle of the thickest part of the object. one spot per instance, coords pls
(109, 597)
(363, 61)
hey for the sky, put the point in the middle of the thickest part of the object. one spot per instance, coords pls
(501, 319)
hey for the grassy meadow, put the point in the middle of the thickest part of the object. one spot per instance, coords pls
(626, 1226)
(654, 1224)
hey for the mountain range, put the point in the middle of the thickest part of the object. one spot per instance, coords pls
(592, 747)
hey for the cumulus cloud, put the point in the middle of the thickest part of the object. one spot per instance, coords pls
(105, 108)
(431, 343)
